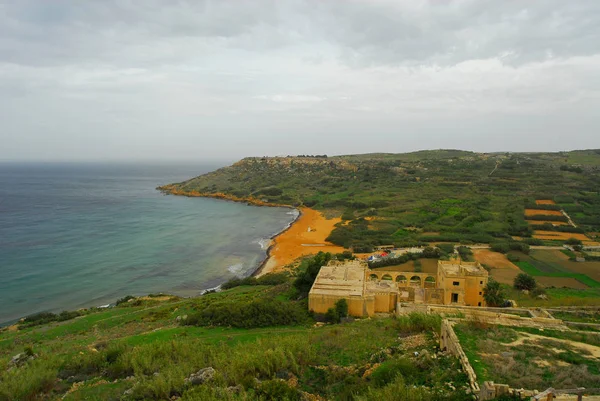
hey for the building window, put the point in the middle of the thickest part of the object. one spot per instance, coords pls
(481, 282)
(455, 283)
(454, 297)
(480, 292)
(478, 303)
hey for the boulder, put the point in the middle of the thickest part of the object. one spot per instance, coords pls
(20, 359)
(202, 376)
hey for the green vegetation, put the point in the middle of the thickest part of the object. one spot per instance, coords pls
(267, 279)
(493, 293)
(152, 348)
(421, 197)
(529, 358)
(524, 282)
(532, 270)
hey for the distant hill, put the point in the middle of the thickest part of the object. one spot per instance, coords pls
(418, 197)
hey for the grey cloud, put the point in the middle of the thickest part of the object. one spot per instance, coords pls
(155, 78)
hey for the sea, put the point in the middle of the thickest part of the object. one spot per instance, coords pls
(75, 235)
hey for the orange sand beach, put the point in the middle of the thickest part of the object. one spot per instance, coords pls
(306, 236)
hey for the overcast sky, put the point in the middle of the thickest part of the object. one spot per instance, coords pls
(205, 80)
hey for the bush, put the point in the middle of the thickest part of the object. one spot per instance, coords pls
(267, 279)
(446, 248)
(501, 247)
(341, 307)
(513, 258)
(493, 294)
(255, 313)
(524, 282)
(573, 241)
(125, 299)
(309, 268)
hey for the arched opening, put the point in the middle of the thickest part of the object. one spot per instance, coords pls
(430, 282)
(401, 280)
(415, 281)
(386, 277)
(373, 277)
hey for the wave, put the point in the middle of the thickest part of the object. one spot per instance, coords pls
(263, 242)
(237, 269)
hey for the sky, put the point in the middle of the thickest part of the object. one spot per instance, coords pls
(215, 80)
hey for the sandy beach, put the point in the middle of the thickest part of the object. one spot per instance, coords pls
(306, 236)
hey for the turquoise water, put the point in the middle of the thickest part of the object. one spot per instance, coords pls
(79, 235)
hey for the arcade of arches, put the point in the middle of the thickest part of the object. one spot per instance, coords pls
(377, 291)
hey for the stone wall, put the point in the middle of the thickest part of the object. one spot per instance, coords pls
(449, 342)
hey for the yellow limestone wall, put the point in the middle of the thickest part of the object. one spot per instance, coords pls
(357, 306)
(385, 302)
(472, 290)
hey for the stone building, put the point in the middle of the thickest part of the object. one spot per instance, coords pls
(379, 291)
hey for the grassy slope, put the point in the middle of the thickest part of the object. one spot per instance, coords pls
(447, 191)
(143, 348)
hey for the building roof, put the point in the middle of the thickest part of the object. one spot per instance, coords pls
(338, 279)
(461, 268)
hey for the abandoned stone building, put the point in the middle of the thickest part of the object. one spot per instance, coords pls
(379, 291)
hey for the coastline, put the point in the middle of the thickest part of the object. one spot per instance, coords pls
(172, 190)
(259, 270)
(305, 235)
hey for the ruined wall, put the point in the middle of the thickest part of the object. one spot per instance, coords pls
(449, 342)
(434, 296)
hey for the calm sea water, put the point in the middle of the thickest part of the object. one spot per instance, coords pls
(79, 235)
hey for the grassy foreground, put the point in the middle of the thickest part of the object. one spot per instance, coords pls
(147, 348)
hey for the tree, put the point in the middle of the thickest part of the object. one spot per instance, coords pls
(341, 307)
(573, 241)
(493, 294)
(524, 282)
(309, 269)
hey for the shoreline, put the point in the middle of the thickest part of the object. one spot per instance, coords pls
(171, 190)
(310, 231)
(259, 270)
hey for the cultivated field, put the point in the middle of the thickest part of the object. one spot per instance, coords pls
(561, 282)
(545, 202)
(553, 268)
(555, 235)
(502, 269)
(427, 266)
(537, 212)
(554, 223)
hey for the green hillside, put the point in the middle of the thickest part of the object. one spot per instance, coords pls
(225, 346)
(413, 198)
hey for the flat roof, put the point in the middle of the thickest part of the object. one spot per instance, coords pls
(340, 279)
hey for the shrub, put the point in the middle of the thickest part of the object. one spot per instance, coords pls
(513, 258)
(125, 299)
(255, 313)
(524, 282)
(341, 307)
(309, 268)
(501, 247)
(573, 241)
(446, 248)
(493, 294)
(267, 279)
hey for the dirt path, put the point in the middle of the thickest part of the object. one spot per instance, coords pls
(568, 218)
(592, 349)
